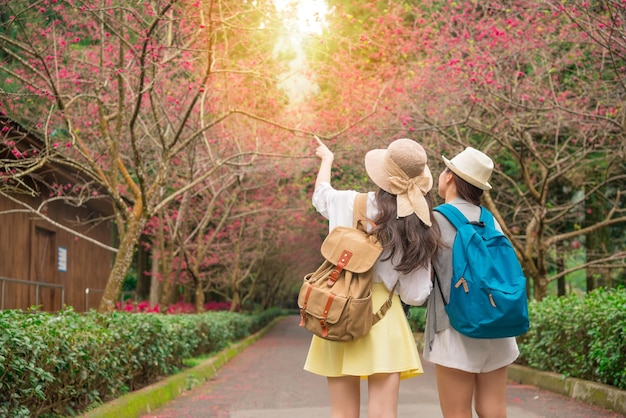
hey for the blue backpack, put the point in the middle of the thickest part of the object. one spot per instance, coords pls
(488, 289)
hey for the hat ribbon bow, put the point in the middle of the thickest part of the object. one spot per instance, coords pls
(410, 196)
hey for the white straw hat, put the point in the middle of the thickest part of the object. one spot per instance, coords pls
(472, 166)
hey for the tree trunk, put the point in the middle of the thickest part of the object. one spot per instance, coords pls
(560, 287)
(155, 283)
(560, 266)
(165, 269)
(143, 278)
(540, 287)
(235, 300)
(199, 298)
(591, 283)
(123, 260)
(595, 245)
(541, 279)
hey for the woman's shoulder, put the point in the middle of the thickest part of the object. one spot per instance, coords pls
(469, 210)
(335, 205)
(325, 192)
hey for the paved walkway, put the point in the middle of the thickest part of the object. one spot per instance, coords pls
(266, 380)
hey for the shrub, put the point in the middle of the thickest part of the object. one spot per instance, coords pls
(582, 337)
(417, 318)
(62, 363)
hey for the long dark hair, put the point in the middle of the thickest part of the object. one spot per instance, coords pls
(466, 190)
(408, 235)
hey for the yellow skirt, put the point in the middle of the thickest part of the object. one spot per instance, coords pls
(389, 347)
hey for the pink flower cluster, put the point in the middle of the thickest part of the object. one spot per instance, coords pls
(177, 308)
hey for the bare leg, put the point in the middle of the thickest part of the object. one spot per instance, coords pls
(490, 394)
(383, 391)
(455, 392)
(345, 396)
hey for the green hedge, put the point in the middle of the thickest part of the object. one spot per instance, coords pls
(417, 318)
(59, 364)
(583, 337)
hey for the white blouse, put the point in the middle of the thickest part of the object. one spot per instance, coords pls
(337, 207)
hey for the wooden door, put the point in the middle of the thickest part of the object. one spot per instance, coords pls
(43, 268)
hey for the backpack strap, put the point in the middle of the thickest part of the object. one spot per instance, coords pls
(457, 219)
(486, 217)
(359, 212)
(452, 214)
(385, 306)
(445, 302)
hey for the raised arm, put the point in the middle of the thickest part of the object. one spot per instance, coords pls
(326, 155)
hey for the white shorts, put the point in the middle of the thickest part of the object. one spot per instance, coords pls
(474, 355)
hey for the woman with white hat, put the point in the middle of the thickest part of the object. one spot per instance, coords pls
(468, 369)
(401, 210)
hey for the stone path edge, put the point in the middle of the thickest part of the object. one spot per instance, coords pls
(598, 394)
(143, 401)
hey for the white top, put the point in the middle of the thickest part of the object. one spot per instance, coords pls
(337, 206)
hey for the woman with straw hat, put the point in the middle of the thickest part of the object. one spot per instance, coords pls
(401, 212)
(469, 370)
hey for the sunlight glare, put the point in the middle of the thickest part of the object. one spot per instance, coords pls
(302, 19)
(307, 17)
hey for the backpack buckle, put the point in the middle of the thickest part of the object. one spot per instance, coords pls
(343, 260)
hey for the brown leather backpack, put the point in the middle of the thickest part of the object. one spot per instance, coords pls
(335, 300)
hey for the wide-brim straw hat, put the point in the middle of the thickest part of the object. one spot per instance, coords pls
(402, 170)
(472, 166)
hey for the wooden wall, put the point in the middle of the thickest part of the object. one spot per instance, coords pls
(32, 249)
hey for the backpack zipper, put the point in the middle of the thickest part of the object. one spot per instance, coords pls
(462, 282)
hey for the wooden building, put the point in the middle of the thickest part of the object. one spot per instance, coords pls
(42, 262)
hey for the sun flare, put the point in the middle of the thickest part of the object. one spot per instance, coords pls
(301, 19)
(306, 17)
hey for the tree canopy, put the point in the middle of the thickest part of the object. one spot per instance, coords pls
(195, 119)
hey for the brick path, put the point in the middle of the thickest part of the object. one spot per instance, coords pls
(266, 380)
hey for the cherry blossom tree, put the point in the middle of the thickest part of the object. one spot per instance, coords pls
(538, 85)
(123, 92)
(528, 84)
(189, 117)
